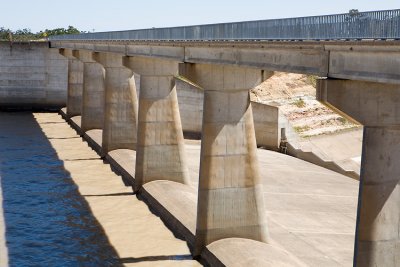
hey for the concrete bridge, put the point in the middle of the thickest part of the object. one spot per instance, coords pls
(125, 87)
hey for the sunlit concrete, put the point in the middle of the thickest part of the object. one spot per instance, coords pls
(3, 247)
(160, 147)
(139, 237)
(230, 192)
(375, 105)
(311, 210)
(75, 84)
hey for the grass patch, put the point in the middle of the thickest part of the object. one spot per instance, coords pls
(301, 129)
(312, 80)
(299, 103)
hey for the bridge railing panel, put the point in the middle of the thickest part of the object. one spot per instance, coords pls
(354, 25)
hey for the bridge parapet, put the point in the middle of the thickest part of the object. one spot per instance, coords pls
(353, 25)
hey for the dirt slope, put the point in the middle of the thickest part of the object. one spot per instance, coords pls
(295, 96)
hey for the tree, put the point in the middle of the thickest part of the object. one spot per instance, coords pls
(27, 35)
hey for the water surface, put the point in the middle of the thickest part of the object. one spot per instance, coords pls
(47, 222)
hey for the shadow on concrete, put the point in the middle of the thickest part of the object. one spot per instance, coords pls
(157, 258)
(48, 223)
(112, 195)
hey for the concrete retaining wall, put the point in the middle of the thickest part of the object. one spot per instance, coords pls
(32, 76)
(266, 125)
(267, 121)
(190, 98)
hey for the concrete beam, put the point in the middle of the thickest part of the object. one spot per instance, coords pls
(121, 105)
(374, 66)
(365, 61)
(369, 103)
(166, 52)
(75, 84)
(230, 193)
(305, 61)
(160, 144)
(93, 91)
(378, 223)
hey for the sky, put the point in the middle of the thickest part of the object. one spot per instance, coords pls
(113, 15)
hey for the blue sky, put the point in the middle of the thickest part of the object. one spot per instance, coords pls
(109, 15)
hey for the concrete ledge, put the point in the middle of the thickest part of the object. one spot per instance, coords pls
(94, 139)
(122, 162)
(63, 113)
(176, 204)
(75, 123)
(238, 252)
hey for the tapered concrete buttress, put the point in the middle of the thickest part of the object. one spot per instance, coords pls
(378, 237)
(121, 105)
(375, 105)
(75, 83)
(160, 143)
(230, 200)
(93, 91)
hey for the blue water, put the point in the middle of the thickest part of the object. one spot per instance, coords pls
(47, 222)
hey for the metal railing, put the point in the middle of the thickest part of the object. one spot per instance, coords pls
(353, 25)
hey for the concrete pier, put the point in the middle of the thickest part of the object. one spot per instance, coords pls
(121, 105)
(75, 83)
(230, 201)
(312, 211)
(93, 91)
(375, 105)
(160, 144)
(378, 237)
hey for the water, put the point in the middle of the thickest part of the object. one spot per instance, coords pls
(47, 222)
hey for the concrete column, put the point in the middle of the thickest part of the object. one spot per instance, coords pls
(230, 201)
(378, 229)
(121, 105)
(93, 91)
(75, 84)
(160, 144)
(375, 105)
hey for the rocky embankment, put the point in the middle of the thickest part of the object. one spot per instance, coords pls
(295, 96)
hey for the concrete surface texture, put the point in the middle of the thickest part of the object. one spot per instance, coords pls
(3, 247)
(378, 242)
(160, 151)
(267, 121)
(190, 98)
(75, 83)
(362, 61)
(32, 75)
(230, 194)
(230, 251)
(374, 105)
(311, 210)
(354, 98)
(344, 148)
(121, 105)
(138, 236)
(93, 92)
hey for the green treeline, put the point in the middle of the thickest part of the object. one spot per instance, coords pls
(27, 35)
